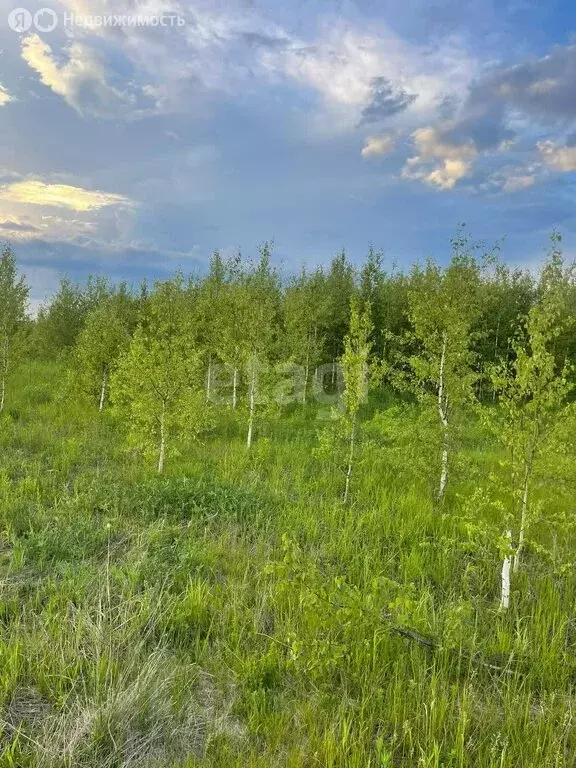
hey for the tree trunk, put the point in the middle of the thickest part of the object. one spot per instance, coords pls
(442, 412)
(505, 579)
(496, 355)
(520, 547)
(162, 451)
(443, 474)
(306, 372)
(103, 388)
(234, 388)
(4, 373)
(350, 460)
(252, 405)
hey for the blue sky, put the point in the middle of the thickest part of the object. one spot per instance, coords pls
(321, 125)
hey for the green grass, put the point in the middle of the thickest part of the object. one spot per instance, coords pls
(235, 613)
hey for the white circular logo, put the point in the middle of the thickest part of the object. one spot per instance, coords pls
(20, 20)
(45, 20)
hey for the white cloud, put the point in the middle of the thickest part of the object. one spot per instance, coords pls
(378, 145)
(438, 162)
(5, 97)
(342, 63)
(225, 47)
(514, 183)
(82, 81)
(557, 157)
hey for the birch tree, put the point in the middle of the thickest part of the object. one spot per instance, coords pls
(231, 341)
(340, 289)
(208, 314)
(105, 335)
(304, 309)
(59, 324)
(354, 362)
(158, 383)
(442, 310)
(13, 301)
(259, 306)
(532, 392)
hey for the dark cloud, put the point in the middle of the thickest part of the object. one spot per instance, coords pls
(487, 129)
(259, 40)
(540, 89)
(385, 101)
(544, 88)
(448, 106)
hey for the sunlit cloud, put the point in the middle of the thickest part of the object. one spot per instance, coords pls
(378, 145)
(82, 80)
(438, 162)
(5, 97)
(557, 157)
(60, 195)
(515, 183)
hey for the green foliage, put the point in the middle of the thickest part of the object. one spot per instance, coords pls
(157, 383)
(104, 337)
(533, 390)
(13, 301)
(234, 612)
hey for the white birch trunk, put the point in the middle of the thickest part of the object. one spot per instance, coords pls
(350, 461)
(442, 412)
(524, 515)
(306, 373)
(505, 578)
(103, 388)
(443, 474)
(4, 373)
(162, 451)
(252, 405)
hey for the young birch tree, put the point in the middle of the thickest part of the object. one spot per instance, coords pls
(208, 310)
(105, 335)
(532, 392)
(13, 300)
(354, 362)
(158, 383)
(304, 309)
(259, 305)
(442, 310)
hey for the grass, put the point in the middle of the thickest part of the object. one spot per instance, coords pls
(235, 613)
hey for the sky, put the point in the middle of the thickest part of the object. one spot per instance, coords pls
(137, 136)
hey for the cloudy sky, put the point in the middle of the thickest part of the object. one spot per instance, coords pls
(133, 149)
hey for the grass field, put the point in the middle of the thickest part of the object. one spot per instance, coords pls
(235, 613)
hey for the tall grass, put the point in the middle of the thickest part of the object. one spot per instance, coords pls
(236, 613)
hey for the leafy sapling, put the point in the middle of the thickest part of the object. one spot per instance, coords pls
(354, 363)
(532, 391)
(442, 309)
(13, 301)
(158, 386)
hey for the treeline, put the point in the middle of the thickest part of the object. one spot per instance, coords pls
(306, 317)
(455, 339)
